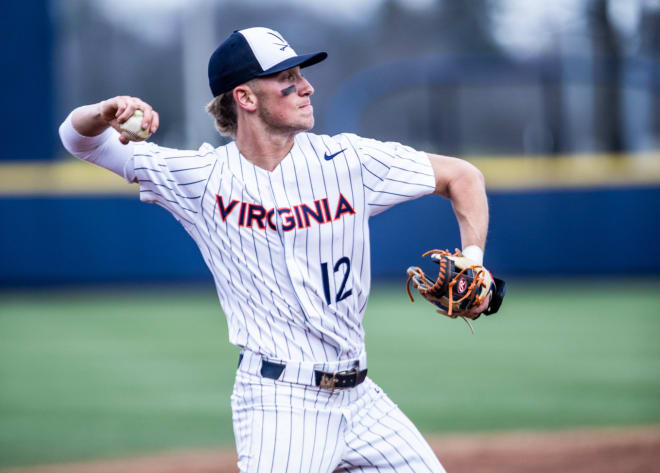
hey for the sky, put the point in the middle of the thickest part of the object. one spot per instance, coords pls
(523, 27)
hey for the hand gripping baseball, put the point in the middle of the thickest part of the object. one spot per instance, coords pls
(463, 288)
(118, 112)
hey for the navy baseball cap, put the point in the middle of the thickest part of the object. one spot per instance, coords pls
(250, 53)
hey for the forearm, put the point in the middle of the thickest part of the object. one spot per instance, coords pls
(467, 192)
(464, 185)
(102, 149)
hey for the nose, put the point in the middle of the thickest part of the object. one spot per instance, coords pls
(305, 88)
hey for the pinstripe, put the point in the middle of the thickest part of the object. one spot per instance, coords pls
(318, 228)
(395, 155)
(399, 167)
(182, 184)
(316, 424)
(368, 462)
(334, 327)
(296, 295)
(300, 199)
(171, 170)
(144, 168)
(365, 231)
(261, 429)
(288, 454)
(163, 198)
(272, 267)
(384, 439)
(240, 276)
(388, 178)
(189, 156)
(379, 452)
(389, 193)
(272, 462)
(332, 226)
(321, 335)
(230, 313)
(304, 424)
(252, 273)
(173, 191)
(250, 453)
(350, 180)
(304, 328)
(173, 181)
(408, 427)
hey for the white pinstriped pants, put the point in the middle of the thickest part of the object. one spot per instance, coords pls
(285, 427)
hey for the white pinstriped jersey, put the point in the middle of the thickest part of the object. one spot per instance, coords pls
(288, 249)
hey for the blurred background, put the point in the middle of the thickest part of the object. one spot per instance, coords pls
(558, 103)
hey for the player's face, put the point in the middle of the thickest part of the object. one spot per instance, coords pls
(284, 101)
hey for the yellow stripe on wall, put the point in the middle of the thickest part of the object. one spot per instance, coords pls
(74, 177)
(68, 177)
(566, 172)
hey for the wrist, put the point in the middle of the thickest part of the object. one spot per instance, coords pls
(475, 253)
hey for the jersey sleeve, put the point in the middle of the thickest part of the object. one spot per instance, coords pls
(172, 178)
(392, 173)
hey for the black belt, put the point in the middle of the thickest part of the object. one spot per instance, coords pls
(322, 379)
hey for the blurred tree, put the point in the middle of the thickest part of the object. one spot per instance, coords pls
(607, 50)
(649, 45)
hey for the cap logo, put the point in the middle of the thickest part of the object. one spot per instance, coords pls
(282, 43)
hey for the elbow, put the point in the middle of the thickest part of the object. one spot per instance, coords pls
(467, 178)
(471, 174)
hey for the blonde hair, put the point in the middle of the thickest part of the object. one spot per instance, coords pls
(223, 109)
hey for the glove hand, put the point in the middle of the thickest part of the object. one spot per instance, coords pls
(463, 287)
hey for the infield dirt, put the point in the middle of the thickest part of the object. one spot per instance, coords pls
(633, 450)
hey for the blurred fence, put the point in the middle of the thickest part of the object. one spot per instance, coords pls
(569, 216)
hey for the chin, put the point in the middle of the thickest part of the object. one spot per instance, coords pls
(310, 123)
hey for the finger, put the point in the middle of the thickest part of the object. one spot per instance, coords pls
(148, 114)
(123, 139)
(108, 108)
(481, 308)
(122, 104)
(126, 112)
(155, 122)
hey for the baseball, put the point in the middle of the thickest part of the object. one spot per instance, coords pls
(132, 129)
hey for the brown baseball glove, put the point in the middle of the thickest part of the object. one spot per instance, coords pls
(461, 285)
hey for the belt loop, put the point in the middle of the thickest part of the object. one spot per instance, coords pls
(300, 372)
(363, 361)
(307, 373)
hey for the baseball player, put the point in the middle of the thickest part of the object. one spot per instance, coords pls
(281, 217)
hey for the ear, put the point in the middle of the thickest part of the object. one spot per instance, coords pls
(245, 98)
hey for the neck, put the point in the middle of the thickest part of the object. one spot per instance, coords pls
(262, 147)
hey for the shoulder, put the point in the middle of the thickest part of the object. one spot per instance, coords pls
(146, 150)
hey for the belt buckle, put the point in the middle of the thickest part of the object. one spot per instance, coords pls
(330, 382)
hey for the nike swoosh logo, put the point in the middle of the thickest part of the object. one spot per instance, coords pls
(328, 157)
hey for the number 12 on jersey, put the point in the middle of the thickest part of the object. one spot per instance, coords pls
(342, 293)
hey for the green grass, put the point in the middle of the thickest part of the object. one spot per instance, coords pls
(106, 373)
